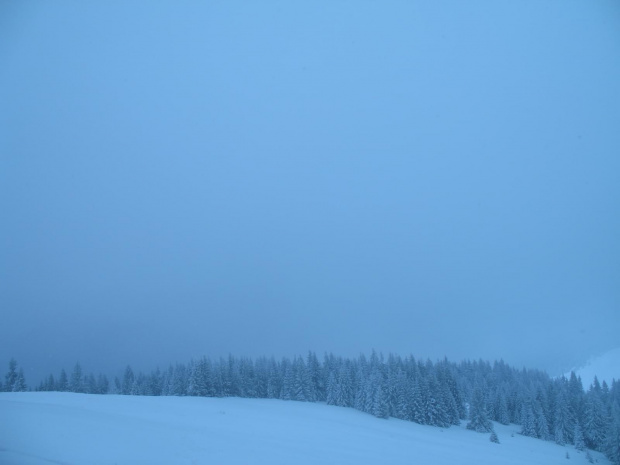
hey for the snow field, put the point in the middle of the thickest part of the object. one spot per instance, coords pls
(66, 428)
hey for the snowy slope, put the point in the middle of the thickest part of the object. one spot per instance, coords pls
(64, 428)
(605, 367)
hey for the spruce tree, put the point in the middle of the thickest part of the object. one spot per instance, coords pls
(90, 384)
(401, 404)
(179, 380)
(528, 422)
(368, 386)
(360, 402)
(380, 403)
(576, 396)
(288, 382)
(128, 379)
(315, 378)
(11, 376)
(197, 385)
(75, 384)
(274, 384)
(332, 388)
(502, 410)
(344, 393)
(478, 417)
(51, 383)
(578, 438)
(542, 425)
(612, 443)
(417, 412)
(435, 413)
(103, 385)
(562, 421)
(63, 382)
(20, 382)
(594, 418)
(300, 387)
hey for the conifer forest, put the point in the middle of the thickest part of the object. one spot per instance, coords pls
(439, 394)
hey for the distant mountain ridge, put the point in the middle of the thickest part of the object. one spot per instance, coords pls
(605, 367)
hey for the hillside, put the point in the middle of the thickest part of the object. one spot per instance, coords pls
(67, 428)
(605, 367)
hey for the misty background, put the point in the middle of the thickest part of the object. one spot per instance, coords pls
(268, 178)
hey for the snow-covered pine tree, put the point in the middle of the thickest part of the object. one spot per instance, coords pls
(138, 387)
(528, 421)
(75, 383)
(594, 419)
(90, 384)
(128, 379)
(368, 385)
(103, 385)
(361, 402)
(63, 382)
(400, 409)
(274, 381)
(332, 388)
(562, 421)
(116, 386)
(416, 403)
(612, 443)
(451, 410)
(51, 383)
(180, 379)
(166, 380)
(448, 409)
(20, 382)
(11, 376)
(380, 408)
(316, 388)
(502, 409)
(288, 381)
(516, 405)
(542, 425)
(300, 386)
(198, 382)
(478, 417)
(262, 374)
(575, 397)
(578, 438)
(344, 395)
(435, 414)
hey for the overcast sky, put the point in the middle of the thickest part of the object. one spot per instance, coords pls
(440, 178)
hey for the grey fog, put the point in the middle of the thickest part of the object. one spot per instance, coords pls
(180, 179)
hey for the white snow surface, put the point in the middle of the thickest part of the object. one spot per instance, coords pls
(65, 428)
(605, 367)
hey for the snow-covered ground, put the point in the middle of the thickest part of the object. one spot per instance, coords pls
(65, 428)
(605, 367)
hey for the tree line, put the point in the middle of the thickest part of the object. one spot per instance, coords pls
(14, 380)
(439, 394)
